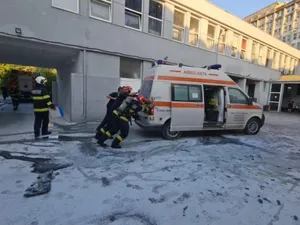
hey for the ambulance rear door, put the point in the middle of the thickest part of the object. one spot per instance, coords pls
(187, 107)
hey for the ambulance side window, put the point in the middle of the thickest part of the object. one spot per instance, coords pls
(180, 93)
(195, 93)
(236, 96)
(186, 93)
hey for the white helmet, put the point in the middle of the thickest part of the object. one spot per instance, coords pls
(41, 80)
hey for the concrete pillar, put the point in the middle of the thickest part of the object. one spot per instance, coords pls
(249, 49)
(168, 21)
(258, 93)
(203, 32)
(187, 20)
(280, 98)
(145, 16)
(229, 38)
(118, 11)
(242, 83)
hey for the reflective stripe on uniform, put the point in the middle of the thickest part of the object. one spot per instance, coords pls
(49, 103)
(124, 118)
(120, 138)
(115, 112)
(41, 110)
(40, 97)
(108, 133)
(102, 130)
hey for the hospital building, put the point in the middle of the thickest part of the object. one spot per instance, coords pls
(98, 45)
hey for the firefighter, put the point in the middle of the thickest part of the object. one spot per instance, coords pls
(124, 93)
(121, 118)
(41, 104)
(112, 97)
(15, 97)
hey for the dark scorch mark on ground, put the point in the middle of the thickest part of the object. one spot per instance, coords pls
(41, 186)
(184, 209)
(105, 181)
(122, 218)
(40, 165)
(159, 200)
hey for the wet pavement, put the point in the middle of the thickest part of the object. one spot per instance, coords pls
(203, 178)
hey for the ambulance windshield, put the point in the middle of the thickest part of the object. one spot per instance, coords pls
(146, 88)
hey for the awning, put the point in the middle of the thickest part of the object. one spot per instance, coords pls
(289, 78)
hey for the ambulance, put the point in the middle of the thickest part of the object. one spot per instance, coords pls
(194, 99)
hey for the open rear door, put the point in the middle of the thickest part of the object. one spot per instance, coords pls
(187, 108)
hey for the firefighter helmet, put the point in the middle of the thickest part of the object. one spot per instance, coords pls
(127, 89)
(41, 80)
(142, 99)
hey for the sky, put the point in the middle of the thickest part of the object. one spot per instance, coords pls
(242, 8)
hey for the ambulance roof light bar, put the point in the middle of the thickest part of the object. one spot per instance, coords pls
(165, 62)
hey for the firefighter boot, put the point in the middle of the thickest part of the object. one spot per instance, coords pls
(116, 143)
(101, 140)
(97, 135)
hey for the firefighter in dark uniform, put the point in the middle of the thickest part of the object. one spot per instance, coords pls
(112, 97)
(121, 118)
(41, 104)
(15, 97)
(124, 93)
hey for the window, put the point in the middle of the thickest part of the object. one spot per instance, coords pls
(210, 41)
(133, 13)
(100, 9)
(180, 93)
(234, 45)
(155, 18)
(186, 93)
(236, 96)
(283, 39)
(195, 94)
(194, 31)
(295, 36)
(290, 27)
(178, 27)
(288, 38)
(243, 49)
(276, 88)
(68, 5)
(254, 53)
(222, 41)
(146, 88)
(130, 68)
(285, 29)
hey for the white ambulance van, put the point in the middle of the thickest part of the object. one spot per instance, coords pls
(193, 99)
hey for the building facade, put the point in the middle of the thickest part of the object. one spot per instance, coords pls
(280, 20)
(97, 45)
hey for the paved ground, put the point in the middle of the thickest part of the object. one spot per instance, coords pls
(200, 179)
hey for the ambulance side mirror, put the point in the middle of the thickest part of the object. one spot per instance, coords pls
(250, 101)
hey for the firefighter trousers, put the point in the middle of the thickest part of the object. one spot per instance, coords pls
(118, 123)
(106, 120)
(41, 120)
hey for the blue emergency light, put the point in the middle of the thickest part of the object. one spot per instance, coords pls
(214, 67)
(159, 62)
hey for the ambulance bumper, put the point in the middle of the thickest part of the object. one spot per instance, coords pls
(263, 118)
(145, 125)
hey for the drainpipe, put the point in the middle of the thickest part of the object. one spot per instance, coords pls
(84, 85)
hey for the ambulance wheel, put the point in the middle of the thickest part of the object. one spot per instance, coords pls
(168, 134)
(252, 126)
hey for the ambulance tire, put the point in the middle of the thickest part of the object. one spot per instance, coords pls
(253, 126)
(167, 134)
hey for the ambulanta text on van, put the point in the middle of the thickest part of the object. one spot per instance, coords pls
(193, 99)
